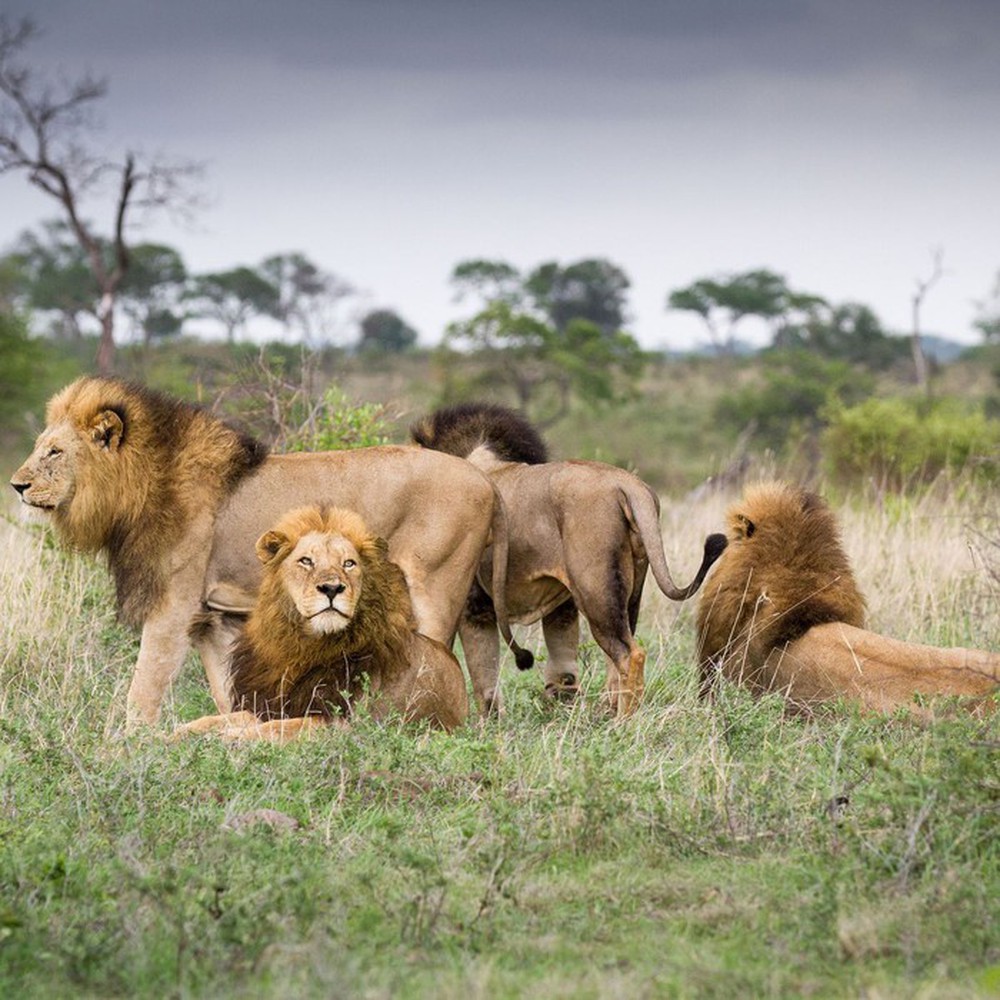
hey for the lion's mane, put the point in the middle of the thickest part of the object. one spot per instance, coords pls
(172, 460)
(461, 429)
(783, 571)
(279, 670)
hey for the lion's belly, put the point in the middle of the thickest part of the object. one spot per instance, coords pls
(531, 600)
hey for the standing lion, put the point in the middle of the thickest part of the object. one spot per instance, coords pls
(582, 536)
(175, 498)
(332, 627)
(782, 612)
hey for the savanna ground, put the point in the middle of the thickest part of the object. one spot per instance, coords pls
(693, 850)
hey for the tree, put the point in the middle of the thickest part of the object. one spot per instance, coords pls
(987, 321)
(593, 290)
(722, 303)
(848, 332)
(152, 290)
(42, 134)
(306, 295)
(233, 297)
(384, 331)
(924, 285)
(542, 365)
(490, 280)
(54, 276)
(550, 334)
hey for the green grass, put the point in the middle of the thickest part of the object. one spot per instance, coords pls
(690, 851)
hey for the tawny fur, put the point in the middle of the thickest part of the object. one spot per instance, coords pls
(283, 671)
(582, 536)
(782, 612)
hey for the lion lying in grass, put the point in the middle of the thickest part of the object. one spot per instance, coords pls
(781, 612)
(332, 626)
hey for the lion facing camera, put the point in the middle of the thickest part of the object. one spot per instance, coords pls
(782, 612)
(332, 628)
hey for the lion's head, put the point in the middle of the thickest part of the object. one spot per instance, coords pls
(314, 564)
(123, 469)
(331, 608)
(783, 571)
(73, 463)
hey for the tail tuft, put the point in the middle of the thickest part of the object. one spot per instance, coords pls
(524, 659)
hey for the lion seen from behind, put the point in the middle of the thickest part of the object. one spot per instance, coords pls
(582, 536)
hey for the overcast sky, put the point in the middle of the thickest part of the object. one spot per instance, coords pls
(838, 143)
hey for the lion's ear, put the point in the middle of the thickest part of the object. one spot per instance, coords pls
(271, 545)
(747, 527)
(106, 430)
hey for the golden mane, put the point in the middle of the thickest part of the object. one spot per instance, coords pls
(279, 669)
(163, 462)
(784, 570)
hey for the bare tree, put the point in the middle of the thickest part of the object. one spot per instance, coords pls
(924, 285)
(42, 133)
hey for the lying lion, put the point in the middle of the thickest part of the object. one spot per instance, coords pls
(333, 626)
(582, 535)
(174, 497)
(781, 612)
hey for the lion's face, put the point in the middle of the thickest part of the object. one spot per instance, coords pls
(321, 573)
(48, 479)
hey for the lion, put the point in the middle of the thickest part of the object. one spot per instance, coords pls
(332, 626)
(175, 497)
(782, 612)
(581, 536)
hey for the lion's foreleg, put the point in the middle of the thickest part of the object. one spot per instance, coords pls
(162, 649)
(215, 649)
(245, 726)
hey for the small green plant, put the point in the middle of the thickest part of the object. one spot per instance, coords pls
(337, 423)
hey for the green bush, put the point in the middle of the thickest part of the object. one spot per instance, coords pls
(900, 441)
(794, 389)
(338, 423)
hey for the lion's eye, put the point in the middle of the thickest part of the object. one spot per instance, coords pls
(306, 562)
(349, 564)
(53, 453)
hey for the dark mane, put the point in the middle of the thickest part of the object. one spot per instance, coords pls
(461, 429)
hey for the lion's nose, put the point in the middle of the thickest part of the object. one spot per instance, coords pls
(20, 487)
(330, 590)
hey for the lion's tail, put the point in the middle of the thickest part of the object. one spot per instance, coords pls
(642, 508)
(501, 546)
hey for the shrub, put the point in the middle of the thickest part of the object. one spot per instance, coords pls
(337, 423)
(899, 441)
(796, 387)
